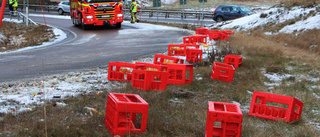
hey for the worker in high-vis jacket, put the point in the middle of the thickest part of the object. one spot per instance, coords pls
(10, 5)
(133, 10)
(15, 6)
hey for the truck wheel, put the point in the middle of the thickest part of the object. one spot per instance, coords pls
(84, 26)
(118, 25)
(60, 11)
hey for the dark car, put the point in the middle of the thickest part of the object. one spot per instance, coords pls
(228, 12)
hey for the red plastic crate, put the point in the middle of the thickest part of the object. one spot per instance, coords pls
(202, 31)
(121, 71)
(177, 50)
(223, 120)
(149, 80)
(218, 35)
(275, 107)
(151, 67)
(223, 72)
(228, 32)
(164, 60)
(121, 114)
(224, 37)
(194, 55)
(214, 34)
(180, 49)
(180, 74)
(195, 39)
(235, 60)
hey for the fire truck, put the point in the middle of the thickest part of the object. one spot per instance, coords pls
(87, 13)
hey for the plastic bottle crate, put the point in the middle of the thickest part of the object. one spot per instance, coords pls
(121, 114)
(149, 80)
(275, 107)
(164, 60)
(214, 34)
(180, 74)
(180, 49)
(202, 31)
(223, 72)
(177, 50)
(194, 55)
(195, 39)
(121, 71)
(151, 67)
(235, 60)
(224, 37)
(228, 32)
(223, 120)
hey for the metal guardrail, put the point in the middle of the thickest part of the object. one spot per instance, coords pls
(177, 13)
(21, 16)
(149, 12)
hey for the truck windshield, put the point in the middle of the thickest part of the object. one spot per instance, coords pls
(98, 1)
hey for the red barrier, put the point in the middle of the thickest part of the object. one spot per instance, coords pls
(235, 60)
(195, 39)
(149, 80)
(194, 55)
(121, 114)
(164, 60)
(202, 31)
(121, 71)
(223, 120)
(180, 74)
(223, 72)
(180, 49)
(288, 109)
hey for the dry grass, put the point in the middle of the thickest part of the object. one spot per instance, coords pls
(19, 36)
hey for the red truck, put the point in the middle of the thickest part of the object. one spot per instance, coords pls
(87, 13)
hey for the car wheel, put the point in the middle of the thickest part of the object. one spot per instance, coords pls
(219, 19)
(60, 11)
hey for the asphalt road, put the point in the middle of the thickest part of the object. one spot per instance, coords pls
(86, 49)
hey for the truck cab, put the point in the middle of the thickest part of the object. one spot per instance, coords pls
(86, 13)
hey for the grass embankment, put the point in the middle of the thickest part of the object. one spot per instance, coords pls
(18, 35)
(181, 110)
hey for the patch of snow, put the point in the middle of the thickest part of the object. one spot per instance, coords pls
(274, 77)
(303, 25)
(85, 38)
(273, 15)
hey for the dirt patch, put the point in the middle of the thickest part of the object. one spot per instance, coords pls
(17, 35)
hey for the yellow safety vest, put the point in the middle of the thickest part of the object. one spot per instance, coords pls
(133, 7)
(15, 4)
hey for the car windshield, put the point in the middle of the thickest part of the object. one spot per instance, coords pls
(245, 9)
(97, 1)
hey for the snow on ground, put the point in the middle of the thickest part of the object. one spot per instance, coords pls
(274, 15)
